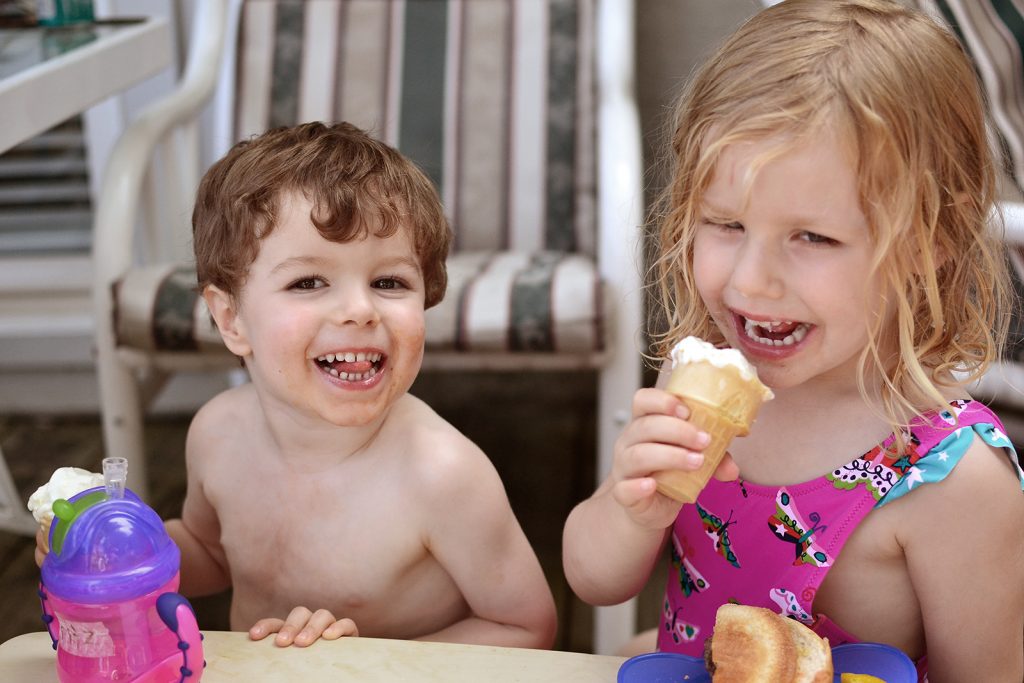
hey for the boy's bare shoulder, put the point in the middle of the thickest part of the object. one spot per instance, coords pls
(441, 453)
(416, 421)
(223, 416)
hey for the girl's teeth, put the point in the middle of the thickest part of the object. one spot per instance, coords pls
(798, 333)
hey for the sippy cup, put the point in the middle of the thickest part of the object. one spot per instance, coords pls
(108, 590)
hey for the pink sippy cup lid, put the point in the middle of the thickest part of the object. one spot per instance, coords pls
(108, 549)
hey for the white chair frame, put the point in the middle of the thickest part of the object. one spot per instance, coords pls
(169, 130)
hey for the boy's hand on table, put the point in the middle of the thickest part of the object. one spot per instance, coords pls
(303, 628)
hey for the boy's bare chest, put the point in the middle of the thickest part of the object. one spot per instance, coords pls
(316, 525)
(355, 550)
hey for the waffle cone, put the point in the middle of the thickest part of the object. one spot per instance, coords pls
(723, 404)
(45, 524)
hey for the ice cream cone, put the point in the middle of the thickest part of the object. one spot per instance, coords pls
(45, 526)
(64, 483)
(723, 403)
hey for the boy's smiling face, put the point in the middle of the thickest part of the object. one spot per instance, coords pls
(333, 330)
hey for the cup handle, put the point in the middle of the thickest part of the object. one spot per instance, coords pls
(49, 618)
(176, 612)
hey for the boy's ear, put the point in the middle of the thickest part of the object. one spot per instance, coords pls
(224, 309)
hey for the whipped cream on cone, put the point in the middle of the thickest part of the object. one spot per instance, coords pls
(64, 483)
(695, 350)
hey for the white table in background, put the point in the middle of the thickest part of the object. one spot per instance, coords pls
(48, 75)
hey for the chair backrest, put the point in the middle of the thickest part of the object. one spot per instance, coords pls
(494, 99)
(992, 32)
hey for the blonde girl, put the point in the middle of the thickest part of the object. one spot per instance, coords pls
(828, 216)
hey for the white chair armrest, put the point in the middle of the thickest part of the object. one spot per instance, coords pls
(121, 189)
(1013, 221)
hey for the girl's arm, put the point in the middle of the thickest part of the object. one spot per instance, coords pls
(964, 546)
(608, 557)
(613, 540)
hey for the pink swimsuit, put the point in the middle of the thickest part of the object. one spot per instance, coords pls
(772, 546)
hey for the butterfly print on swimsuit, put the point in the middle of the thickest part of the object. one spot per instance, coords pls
(789, 606)
(788, 526)
(679, 630)
(718, 532)
(690, 580)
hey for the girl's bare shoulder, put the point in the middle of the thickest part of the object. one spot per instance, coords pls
(984, 481)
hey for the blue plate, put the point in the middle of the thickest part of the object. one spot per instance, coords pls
(663, 667)
(883, 661)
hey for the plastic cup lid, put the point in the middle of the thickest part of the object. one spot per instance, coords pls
(112, 550)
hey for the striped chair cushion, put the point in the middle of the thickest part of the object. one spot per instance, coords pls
(489, 97)
(496, 301)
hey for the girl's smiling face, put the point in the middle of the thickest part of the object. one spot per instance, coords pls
(782, 258)
(332, 330)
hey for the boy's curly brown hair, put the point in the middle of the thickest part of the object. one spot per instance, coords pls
(355, 183)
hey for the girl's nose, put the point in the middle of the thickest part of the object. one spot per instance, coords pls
(757, 272)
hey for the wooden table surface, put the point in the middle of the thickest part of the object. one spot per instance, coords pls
(233, 657)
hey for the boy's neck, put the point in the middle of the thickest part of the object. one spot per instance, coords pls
(308, 444)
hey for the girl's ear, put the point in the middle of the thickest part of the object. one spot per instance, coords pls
(224, 309)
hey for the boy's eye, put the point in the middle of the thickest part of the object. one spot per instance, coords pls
(312, 282)
(388, 283)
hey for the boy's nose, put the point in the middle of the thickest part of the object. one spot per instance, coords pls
(355, 306)
(757, 273)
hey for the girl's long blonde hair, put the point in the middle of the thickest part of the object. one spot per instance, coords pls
(906, 97)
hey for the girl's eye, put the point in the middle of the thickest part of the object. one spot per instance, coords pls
(306, 283)
(727, 226)
(815, 238)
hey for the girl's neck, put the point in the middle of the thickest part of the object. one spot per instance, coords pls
(807, 431)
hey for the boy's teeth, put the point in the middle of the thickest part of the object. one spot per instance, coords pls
(752, 329)
(353, 376)
(349, 357)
